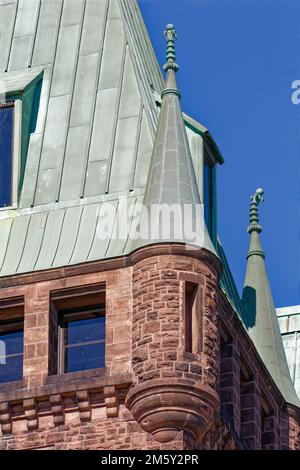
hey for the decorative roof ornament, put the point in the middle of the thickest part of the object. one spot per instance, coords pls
(171, 36)
(171, 67)
(256, 199)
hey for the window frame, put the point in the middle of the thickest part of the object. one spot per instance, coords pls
(193, 326)
(192, 319)
(16, 150)
(78, 313)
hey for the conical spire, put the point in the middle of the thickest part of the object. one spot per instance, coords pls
(261, 318)
(171, 181)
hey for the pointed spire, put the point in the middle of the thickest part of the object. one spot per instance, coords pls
(171, 179)
(261, 319)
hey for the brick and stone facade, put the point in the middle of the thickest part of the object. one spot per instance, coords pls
(172, 385)
(96, 132)
(152, 394)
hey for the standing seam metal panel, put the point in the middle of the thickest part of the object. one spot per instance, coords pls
(7, 21)
(93, 131)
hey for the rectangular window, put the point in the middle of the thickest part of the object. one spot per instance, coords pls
(77, 329)
(6, 154)
(11, 350)
(82, 339)
(192, 322)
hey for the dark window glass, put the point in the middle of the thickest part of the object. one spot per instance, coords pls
(91, 329)
(192, 325)
(208, 202)
(85, 356)
(210, 208)
(11, 354)
(83, 340)
(6, 154)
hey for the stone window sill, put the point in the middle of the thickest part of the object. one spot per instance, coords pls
(64, 384)
(8, 387)
(75, 376)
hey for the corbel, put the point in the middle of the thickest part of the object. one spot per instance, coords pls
(31, 414)
(111, 401)
(84, 406)
(57, 410)
(5, 420)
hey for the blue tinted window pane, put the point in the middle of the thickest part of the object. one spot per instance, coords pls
(91, 356)
(12, 370)
(91, 329)
(11, 356)
(13, 342)
(6, 152)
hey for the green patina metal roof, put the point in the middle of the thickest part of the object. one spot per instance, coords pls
(172, 179)
(95, 127)
(228, 284)
(256, 308)
(260, 314)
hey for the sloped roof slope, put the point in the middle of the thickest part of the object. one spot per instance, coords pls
(95, 128)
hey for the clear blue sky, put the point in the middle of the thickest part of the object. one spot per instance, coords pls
(238, 59)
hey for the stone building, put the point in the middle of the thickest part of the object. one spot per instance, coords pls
(112, 338)
(289, 323)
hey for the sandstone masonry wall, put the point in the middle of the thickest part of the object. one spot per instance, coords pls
(145, 350)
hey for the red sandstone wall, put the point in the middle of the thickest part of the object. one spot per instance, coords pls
(36, 327)
(120, 433)
(164, 371)
(158, 321)
(244, 403)
(145, 342)
(40, 401)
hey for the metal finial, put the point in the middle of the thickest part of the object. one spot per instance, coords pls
(171, 35)
(255, 200)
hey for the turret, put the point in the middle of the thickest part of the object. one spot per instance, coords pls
(175, 289)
